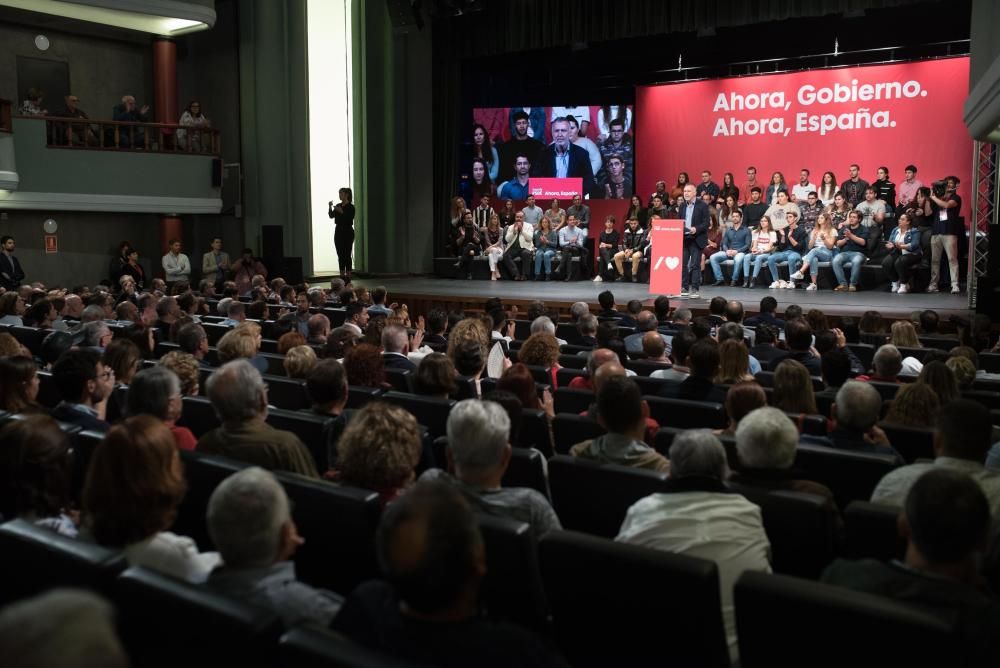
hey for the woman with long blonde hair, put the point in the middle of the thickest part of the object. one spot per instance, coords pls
(822, 248)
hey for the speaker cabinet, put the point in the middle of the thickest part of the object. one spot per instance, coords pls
(288, 268)
(272, 240)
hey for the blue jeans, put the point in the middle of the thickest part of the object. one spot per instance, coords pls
(546, 257)
(757, 261)
(789, 256)
(716, 261)
(814, 257)
(855, 259)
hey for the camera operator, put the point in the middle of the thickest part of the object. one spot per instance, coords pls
(947, 226)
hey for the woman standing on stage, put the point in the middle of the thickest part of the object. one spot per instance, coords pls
(828, 188)
(777, 185)
(343, 236)
(638, 211)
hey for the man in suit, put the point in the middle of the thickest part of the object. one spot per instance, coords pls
(11, 274)
(85, 385)
(396, 347)
(694, 213)
(564, 159)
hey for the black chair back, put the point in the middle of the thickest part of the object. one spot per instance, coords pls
(782, 619)
(310, 647)
(527, 469)
(214, 332)
(287, 393)
(30, 337)
(565, 376)
(912, 443)
(33, 559)
(359, 395)
(400, 379)
(885, 390)
(687, 414)
(678, 597)
(309, 427)
(814, 425)
(535, 432)
(592, 497)
(48, 391)
(198, 415)
(571, 400)
(512, 589)
(872, 532)
(167, 622)
(990, 400)
(570, 429)
(650, 386)
(430, 412)
(851, 476)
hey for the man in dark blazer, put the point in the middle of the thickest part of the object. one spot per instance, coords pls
(84, 384)
(564, 159)
(694, 212)
(396, 347)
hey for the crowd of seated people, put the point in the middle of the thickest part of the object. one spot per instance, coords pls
(718, 408)
(801, 225)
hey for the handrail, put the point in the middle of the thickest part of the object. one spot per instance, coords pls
(5, 107)
(79, 133)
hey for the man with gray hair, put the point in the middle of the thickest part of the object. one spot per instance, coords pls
(239, 397)
(766, 440)
(192, 339)
(698, 516)
(578, 310)
(543, 323)
(478, 454)
(319, 329)
(587, 327)
(92, 313)
(396, 349)
(250, 522)
(886, 365)
(95, 335)
(235, 313)
(856, 412)
(645, 321)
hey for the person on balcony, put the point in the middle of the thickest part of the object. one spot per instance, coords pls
(130, 136)
(193, 118)
(32, 106)
(75, 134)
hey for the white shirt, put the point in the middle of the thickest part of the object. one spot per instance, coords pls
(724, 528)
(581, 114)
(177, 267)
(801, 192)
(173, 555)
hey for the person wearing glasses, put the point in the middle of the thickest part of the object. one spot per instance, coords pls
(84, 384)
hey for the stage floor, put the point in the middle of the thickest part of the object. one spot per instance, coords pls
(832, 303)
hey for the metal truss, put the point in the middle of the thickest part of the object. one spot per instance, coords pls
(985, 213)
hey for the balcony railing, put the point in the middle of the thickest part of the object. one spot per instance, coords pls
(5, 107)
(89, 134)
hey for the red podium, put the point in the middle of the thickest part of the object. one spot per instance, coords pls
(665, 256)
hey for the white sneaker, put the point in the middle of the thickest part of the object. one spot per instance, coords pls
(610, 266)
(932, 287)
(789, 285)
(811, 286)
(894, 287)
(598, 279)
(903, 289)
(693, 294)
(777, 284)
(797, 276)
(685, 293)
(955, 290)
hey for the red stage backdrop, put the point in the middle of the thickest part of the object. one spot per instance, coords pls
(821, 120)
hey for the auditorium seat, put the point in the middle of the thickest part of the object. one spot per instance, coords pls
(643, 367)
(572, 400)
(766, 379)
(615, 604)
(33, 559)
(83, 445)
(574, 349)
(990, 400)
(358, 395)
(650, 387)
(687, 414)
(48, 392)
(535, 432)
(164, 347)
(814, 425)
(313, 647)
(593, 497)
(512, 589)
(198, 415)
(872, 532)
(287, 393)
(802, 529)
(30, 337)
(269, 346)
(166, 622)
(400, 379)
(527, 468)
(885, 390)
(309, 427)
(522, 329)
(787, 621)
(541, 374)
(568, 332)
(337, 316)
(851, 476)
(465, 388)
(917, 353)
(214, 332)
(942, 343)
(864, 351)
(570, 429)
(989, 362)
(275, 364)
(912, 443)
(565, 375)
(429, 411)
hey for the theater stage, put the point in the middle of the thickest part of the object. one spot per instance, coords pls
(423, 290)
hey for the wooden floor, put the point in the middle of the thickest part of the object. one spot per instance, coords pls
(473, 293)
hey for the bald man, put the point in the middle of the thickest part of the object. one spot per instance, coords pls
(597, 359)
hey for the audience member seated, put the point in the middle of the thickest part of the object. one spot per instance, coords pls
(541, 350)
(799, 336)
(766, 316)
(734, 363)
(396, 348)
(134, 486)
(645, 321)
(437, 326)
(84, 385)
(365, 366)
(855, 415)
(239, 397)
(186, 368)
(339, 342)
(764, 349)
(607, 301)
(289, 340)
(19, 385)
(95, 336)
(298, 361)
(518, 381)
(35, 474)
(598, 358)
(123, 357)
(478, 454)
(941, 379)
(243, 342)
(836, 367)
(586, 326)
(319, 330)
(357, 317)
(741, 398)
(680, 349)
(765, 442)
(379, 449)
(945, 520)
(435, 376)
(250, 522)
(915, 405)
(544, 324)
(962, 438)
(622, 411)
(235, 313)
(699, 517)
(156, 391)
(699, 385)
(192, 339)
(793, 389)
(655, 348)
(69, 628)
(886, 365)
(427, 611)
(11, 309)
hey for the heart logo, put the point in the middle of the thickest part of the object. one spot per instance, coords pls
(672, 263)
